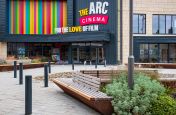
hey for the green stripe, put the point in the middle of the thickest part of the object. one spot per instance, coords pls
(55, 16)
(53, 13)
(39, 17)
(27, 17)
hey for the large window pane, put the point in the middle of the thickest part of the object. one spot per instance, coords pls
(162, 24)
(172, 53)
(168, 24)
(135, 23)
(141, 24)
(155, 24)
(153, 53)
(144, 53)
(174, 24)
(163, 53)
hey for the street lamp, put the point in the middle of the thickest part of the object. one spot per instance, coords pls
(131, 57)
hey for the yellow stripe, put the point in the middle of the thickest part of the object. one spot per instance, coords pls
(55, 16)
(64, 13)
(51, 23)
(31, 17)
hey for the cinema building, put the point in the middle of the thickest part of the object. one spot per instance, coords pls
(86, 30)
(66, 28)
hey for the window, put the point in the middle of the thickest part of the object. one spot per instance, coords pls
(155, 24)
(164, 24)
(139, 23)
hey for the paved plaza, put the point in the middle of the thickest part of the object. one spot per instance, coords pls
(46, 101)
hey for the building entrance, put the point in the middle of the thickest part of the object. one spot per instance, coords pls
(87, 54)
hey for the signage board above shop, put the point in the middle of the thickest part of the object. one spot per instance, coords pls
(89, 18)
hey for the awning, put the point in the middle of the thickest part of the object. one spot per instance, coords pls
(68, 37)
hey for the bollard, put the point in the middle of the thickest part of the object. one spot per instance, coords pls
(96, 58)
(97, 74)
(21, 73)
(105, 63)
(28, 95)
(73, 66)
(46, 75)
(15, 69)
(49, 66)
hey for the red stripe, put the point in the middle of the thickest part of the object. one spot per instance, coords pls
(48, 17)
(20, 17)
(61, 13)
(35, 14)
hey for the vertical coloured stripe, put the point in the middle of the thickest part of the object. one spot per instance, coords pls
(36, 17)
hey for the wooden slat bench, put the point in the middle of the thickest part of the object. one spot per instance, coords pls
(86, 89)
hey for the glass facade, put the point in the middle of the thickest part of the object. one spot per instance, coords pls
(139, 23)
(164, 24)
(157, 53)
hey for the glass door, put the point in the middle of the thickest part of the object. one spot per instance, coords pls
(163, 53)
(153, 53)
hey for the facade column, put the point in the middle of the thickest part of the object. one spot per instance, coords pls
(3, 50)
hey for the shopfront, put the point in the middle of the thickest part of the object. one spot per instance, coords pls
(63, 30)
(155, 49)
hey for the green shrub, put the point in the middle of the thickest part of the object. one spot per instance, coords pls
(2, 61)
(164, 105)
(36, 61)
(136, 101)
(44, 59)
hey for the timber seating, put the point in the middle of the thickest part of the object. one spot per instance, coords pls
(104, 75)
(86, 89)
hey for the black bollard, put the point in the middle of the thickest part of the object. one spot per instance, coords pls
(15, 69)
(96, 58)
(28, 95)
(49, 66)
(21, 73)
(73, 66)
(46, 75)
(105, 63)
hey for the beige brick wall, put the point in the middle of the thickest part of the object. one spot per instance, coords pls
(148, 7)
(3, 50)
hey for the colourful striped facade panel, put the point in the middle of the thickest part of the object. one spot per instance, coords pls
(37, 16)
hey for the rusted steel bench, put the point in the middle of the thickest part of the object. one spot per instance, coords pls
(86, 89)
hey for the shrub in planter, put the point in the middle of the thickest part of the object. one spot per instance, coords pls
(137, 101)
(163, 105)
(2, 61)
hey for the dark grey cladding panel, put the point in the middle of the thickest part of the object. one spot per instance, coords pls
(154, 39)
(70, 6)
(3, 17)
(70, 37)
(111, 27)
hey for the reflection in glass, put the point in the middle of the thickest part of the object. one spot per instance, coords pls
(162, 24)
(172, 53)
(141, 24)
(135, 23)
(174, 24)
(144, 53)
(163, 53)
(168, 24)
(155, 24)
(153, 53)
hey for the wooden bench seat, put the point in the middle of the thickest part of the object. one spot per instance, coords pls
(86, 89)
